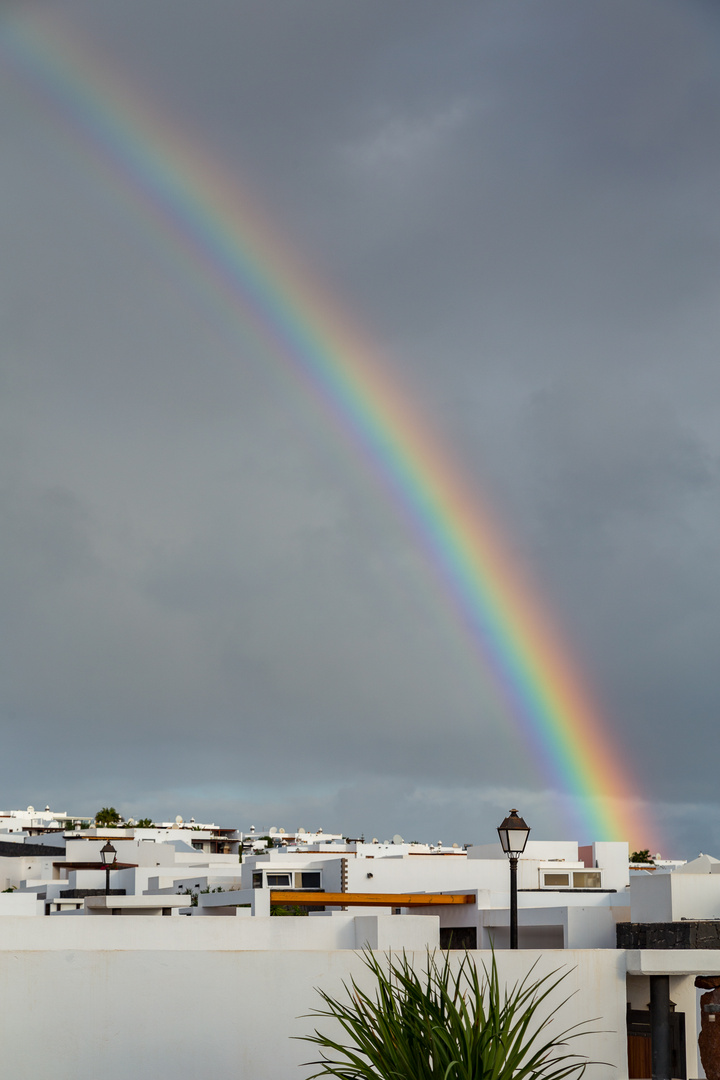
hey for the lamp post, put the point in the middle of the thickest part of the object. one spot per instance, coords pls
(108, 856)
(513, 835)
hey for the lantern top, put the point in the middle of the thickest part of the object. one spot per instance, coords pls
(513, 835)
(107, 854)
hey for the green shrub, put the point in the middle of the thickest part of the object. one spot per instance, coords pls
(288, 909)
(107, 818)
(445, 1025)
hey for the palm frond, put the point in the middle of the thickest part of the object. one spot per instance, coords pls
(445, 1024)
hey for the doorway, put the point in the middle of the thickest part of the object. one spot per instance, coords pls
(639, 1041)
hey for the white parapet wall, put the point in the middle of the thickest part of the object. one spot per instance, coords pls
(673, 897)
(183, 998)
(20, 903)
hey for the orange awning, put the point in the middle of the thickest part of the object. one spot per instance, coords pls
(298, 896)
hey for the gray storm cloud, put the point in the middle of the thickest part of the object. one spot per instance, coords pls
(208, 603)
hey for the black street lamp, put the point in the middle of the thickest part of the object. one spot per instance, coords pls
(108, 856)
(513, 835)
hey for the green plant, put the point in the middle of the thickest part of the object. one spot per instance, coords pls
(641, 856)
(453, 1025)
(144, 823)
(108, 817)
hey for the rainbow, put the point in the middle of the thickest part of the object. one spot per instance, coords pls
(237, 255)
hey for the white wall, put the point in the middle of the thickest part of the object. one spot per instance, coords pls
(540, 850)
(15, 870)
(590, 928)
(283, 861)
(182, 998)
(609, 856)
(670, 898)
(422, 873)
(695, 896)
(128, 850)
(651, 898)
(21, 903)
(613, 857)
(485, 869)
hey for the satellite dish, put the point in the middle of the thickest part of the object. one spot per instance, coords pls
(178, 820)
(281, 831)
(397, 838)
(456, 845)
(301, 831)
(375, 840)
(31, 809)
(272, 830)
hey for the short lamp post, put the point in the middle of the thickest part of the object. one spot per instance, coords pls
(108, 855)
(513, 835)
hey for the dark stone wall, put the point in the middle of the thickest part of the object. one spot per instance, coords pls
(689, 934)
(20, 851)
(80, 894)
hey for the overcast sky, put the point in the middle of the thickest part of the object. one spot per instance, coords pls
(208, 607)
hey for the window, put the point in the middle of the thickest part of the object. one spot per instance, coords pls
(310, 879)
(275, 881)
(579, 879)
(556, 881)
(587, 879)
(257, 879)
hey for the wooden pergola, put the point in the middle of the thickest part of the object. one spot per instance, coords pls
(348, 899)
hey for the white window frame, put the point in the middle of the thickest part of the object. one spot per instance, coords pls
(278, 873)
(569, 872)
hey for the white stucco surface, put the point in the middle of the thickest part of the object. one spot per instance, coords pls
(20, 903)
(672, 897)
(673, 961)
(183, 998)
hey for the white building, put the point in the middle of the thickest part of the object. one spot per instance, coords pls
(575, 906)
(64, 871)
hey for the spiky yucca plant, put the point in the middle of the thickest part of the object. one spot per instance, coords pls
(445, 1025)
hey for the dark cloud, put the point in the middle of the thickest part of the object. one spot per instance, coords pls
(208, 606)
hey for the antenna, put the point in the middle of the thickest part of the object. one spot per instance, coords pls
(272, 830)
(397, 838)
